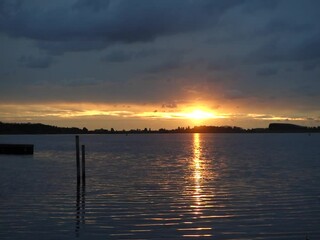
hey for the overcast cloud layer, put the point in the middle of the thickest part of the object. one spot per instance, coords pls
(263, 55)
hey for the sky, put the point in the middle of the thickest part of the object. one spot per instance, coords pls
(131, 64)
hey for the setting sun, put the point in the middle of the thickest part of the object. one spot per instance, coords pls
(200, 115)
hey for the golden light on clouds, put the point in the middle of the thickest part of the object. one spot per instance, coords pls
(195, 115)
(71, 110)
(97, 115)
(274, 118)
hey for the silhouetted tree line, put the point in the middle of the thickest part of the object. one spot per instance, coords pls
(38, 128)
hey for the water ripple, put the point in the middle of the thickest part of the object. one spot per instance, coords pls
(164, 187)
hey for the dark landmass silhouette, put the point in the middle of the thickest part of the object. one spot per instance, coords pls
(38, 128)
(279, 127)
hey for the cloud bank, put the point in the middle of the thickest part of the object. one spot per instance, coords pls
(241, 55)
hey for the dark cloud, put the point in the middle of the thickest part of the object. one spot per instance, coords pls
(254, 6)
(60, 47)
(224, 63)
(281, 50)
(170, 105)
(234, 94)
(281, 27)
(266, 72)
(118, 56)
(9, 7)
(310, 66)
(307, 90)
(308, 49)
(36, 61)
(147, 53)
(165, 66)
(107, 21)
(92, 5)
(83, 82)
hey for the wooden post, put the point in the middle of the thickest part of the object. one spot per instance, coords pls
(78, 158)
(83, 150)
(78, 210)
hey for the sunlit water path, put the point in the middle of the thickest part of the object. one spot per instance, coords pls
(166, 186)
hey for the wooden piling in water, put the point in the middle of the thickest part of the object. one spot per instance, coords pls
(78, 158)
(83, 189)
(83, 163)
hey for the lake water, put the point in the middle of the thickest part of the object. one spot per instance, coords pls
(166, 186)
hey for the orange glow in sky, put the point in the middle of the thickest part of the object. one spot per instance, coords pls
(200, 114)
(127, 116)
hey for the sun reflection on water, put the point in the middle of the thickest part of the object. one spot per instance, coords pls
(199, 193)
(197, 171)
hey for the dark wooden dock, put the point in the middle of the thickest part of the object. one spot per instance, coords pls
(19, 149)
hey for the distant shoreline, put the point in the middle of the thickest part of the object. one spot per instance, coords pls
(39, 128)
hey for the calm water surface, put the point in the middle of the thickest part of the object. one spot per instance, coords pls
(169, 186)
